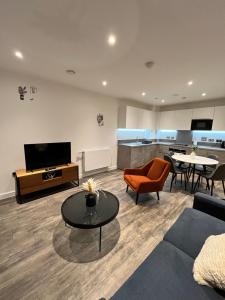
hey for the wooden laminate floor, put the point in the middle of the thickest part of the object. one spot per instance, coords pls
(40, 258)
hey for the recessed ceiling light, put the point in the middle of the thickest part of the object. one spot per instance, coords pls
(203, 94)
(149, 64)
(104, 83)
(18, 54)
(163, 100)
(111, 39)
(190, 82)
(70, 72)
(143, 94)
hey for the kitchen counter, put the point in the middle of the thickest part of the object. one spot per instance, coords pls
(134, 155)
(139, 144)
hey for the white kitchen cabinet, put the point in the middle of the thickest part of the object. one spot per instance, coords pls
(176, 119)
(147, 119)
(136, 118)
(203, 113)
(219, 118)
(167, 120)
(182, 119)
(133, 116)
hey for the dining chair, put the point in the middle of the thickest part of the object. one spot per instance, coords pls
(203, 168)
(175, 170)
(216, 175)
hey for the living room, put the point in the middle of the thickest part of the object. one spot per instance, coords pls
(115, 107)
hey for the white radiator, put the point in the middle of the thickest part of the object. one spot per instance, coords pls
(94, 159)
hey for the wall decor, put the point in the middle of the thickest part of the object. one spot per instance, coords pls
(22, 90)
(100, 120)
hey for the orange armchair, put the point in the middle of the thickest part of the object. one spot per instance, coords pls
(150, 178)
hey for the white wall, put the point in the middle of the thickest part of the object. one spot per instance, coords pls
(58, 113)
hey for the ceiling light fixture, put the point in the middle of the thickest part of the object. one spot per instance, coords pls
(190, 82)
(143, 94)
(18, 54)
(111, 40)
(203, 94)
(104, 83)
(149, 64)
(163, 100)
(70, 72)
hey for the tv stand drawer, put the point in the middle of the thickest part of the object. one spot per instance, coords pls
(53, 174)
(29, 182)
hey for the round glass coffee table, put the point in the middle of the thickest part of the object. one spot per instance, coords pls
(76, 214)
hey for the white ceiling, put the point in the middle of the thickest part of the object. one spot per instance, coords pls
(185, 39)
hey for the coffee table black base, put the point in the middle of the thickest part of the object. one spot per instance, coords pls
(100, 235)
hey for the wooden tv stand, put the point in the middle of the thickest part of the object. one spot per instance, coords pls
(32, 181)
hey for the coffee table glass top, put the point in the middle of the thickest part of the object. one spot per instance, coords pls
(77, 214)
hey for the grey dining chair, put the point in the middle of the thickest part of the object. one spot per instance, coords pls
(176, 171)
(218, 174)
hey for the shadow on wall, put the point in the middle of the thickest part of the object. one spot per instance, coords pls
(81, 245)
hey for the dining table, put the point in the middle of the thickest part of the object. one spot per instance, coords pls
(194, 160)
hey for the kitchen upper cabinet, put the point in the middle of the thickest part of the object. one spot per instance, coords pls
(167, 120)
(135, 118)
(147, 119)
(182, 119)
(203, 113)
(176, 119)
(219, 118)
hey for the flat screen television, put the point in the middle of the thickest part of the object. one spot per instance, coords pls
(38, 156)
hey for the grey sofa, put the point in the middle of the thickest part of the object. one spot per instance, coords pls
(166, 274)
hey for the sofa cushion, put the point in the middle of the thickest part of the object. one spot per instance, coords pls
(165, 274)
(156, 169)
(136, 180)
(191, 230)
(209, 266)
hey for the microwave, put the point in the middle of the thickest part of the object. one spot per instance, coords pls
(201, 124)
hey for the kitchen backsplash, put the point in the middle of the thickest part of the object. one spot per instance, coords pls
(200, 137)
(209, 136)
(133, 134)
(166, 135)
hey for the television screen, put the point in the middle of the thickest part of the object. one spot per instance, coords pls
(47, 155)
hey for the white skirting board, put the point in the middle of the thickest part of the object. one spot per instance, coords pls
(94, 159)
(7, 195)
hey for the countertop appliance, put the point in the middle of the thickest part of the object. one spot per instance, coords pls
(201, 124)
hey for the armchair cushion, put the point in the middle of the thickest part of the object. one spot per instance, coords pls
(156, 169)
(136, 180)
